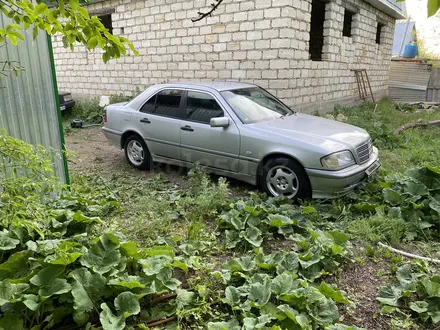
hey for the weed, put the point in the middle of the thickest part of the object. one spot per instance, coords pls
(380, 228)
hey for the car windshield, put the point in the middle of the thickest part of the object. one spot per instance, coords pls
(253, 105)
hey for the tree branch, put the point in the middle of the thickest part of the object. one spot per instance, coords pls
(214, 6)
(416, 124)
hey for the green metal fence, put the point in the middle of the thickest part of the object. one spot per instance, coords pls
(29, 105)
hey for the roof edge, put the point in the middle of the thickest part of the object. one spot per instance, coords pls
(387, 8)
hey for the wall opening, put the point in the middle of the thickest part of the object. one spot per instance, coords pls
(106, 20)
(348, 20)
(379, 31)
(317, 30)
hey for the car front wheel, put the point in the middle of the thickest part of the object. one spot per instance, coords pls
(136, 152)
(285, 177)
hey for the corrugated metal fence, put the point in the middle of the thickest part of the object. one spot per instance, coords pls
(433, 92)
(409, 81)
(28, 106)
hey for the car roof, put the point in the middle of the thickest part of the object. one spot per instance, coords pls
(216, 85)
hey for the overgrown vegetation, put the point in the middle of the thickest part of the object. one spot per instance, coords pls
(120, 251)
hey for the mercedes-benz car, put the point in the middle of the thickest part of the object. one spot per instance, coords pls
(242, 131)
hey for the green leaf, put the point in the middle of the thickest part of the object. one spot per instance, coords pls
(335, 295)
(93, 41)
(406, 277)
(104, 254)
(184, 298)
(31, 301)
(431, 286)
(47, 275)
(433, 7)
(232, 238)
(278, 220)
(251, 323)
(63, 258)
(110, 321)
(310, 259)
(48, 283)
(57, 286)
(232, 296)
(167, 280)
(129, 249)
(16, 265)
(435, 205)
(390, 295)
(288, 311)
(106, 57)
(128, 281)
(339, 237)
(231, 325)
(325, 311)
(9, 291)
(416, 189)
(127, 303)
(419, 306)
(253, 236)
(289, 263)
(87, 288)
(260, 293)
(391, 196)
(309, 210)
(243, 264)
(153, 265)
(11, 321)
(6, 242)
(39, 9)
(282, 284)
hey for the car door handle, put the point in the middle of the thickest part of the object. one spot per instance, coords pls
(187, 128)
(145, 120)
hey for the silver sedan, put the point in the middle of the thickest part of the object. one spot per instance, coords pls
(242, 131)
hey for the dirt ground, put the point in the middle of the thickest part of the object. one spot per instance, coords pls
(90, 152)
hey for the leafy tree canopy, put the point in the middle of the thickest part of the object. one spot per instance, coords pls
(66, 17)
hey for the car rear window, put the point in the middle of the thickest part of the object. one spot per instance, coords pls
(165, 103)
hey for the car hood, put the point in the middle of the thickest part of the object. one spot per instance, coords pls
(328, 134)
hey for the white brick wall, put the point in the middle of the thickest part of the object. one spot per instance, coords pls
(261, 41)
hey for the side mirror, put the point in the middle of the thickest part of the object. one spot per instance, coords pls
(219, 122)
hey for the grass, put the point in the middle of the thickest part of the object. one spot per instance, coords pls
(414, 146)
(88, 109)
(159, 209)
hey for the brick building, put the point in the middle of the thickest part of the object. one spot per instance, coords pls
(303, 51)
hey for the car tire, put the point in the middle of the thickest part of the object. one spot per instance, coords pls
(137, 153)
(285, 177)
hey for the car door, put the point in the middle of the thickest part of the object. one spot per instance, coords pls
(159, 120)
(216, 147)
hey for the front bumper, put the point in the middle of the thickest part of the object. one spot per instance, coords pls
(333, 184)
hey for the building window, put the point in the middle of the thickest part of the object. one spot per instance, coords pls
(348, 19)
(317, 30)
(379, 33)
(106, 20)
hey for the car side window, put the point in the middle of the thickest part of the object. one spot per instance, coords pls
(201, 107)
(168, 103)
(148, 107)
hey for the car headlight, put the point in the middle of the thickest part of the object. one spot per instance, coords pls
(338, 160)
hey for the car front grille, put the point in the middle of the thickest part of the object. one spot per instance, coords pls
(364, 152)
